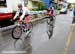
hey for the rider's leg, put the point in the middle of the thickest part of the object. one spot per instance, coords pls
(27, 19)
(51, 20)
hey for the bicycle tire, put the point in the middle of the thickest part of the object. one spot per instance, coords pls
(51, 33)
(18, 34)
(50, 30)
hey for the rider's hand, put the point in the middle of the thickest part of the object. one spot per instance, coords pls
(11, 19)
(20, 21)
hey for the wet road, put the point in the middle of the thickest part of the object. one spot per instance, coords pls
(33, 41)
(62, 41)
(38, 42)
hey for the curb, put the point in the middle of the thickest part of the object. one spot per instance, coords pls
(12, 26)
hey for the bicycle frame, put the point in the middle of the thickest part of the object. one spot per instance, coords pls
(22, 25)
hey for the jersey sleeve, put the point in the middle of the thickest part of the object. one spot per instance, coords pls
(17, 13)
(23, 14)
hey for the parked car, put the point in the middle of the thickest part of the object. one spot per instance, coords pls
(63, 10)
(70, 9)
(64, 7)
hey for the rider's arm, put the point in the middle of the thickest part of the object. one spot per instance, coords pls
(23, 14)
(50, 12)
(17, 13)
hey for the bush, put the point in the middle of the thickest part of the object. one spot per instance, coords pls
(58, 8)
(34, 9)
(14, 12)
(69, 5)
(41, 6)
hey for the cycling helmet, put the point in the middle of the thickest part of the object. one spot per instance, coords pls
(19, 5)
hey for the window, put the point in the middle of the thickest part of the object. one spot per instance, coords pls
(3, 3)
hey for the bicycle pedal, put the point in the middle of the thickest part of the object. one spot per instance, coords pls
(27, 32)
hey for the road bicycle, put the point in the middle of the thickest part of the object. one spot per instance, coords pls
(20, 28)
(50, 25)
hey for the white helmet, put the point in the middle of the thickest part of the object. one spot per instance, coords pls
(20, 5)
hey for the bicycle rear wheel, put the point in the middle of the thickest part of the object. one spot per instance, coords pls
(16, 32)
(50, 31)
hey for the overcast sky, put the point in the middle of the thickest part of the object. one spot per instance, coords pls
(71, 1)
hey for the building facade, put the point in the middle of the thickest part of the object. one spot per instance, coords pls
(50, 2)
(46, 2)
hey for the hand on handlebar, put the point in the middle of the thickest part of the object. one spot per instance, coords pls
(20, 21)
(12, 20)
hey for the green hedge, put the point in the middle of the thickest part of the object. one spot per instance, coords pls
(34, 9)
(58, 8)
(41, 6)
(69, 5)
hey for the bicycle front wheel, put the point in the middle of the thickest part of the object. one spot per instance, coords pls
(16, 32)
(30, 26)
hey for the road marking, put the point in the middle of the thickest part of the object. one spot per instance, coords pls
(68, 41)
(11, 52)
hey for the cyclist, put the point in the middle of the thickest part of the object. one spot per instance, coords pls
(73, 16)
(50, 13)
(23, 13)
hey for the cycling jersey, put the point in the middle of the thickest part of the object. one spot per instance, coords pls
(22, 13)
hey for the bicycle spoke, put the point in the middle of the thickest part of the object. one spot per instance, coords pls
(16, 32)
